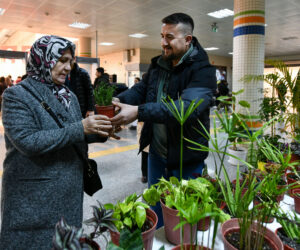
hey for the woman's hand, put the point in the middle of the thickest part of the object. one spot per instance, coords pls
(97, 124)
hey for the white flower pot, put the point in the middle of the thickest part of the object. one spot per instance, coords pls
(241, 154)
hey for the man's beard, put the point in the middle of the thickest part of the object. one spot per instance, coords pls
(172, 56)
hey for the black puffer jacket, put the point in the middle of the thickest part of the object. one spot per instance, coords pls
(193, 79)
(80, 83)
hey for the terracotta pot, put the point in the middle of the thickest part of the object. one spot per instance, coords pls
(290, 181)
(285, 247)
(203, 224)
(294, 158)
(147, 235)
(170, 221)
(91, 243)
(109, 111)
(280, 197)
(296, 199)
(241, 154)
(189, 247)
(232, 225)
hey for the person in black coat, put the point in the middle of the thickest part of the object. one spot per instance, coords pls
(80, 83)
(183, 70)
(100, 77)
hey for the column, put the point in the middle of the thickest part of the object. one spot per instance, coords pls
(248, 51)
(84, 47)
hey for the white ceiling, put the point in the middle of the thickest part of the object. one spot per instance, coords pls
(116, 19)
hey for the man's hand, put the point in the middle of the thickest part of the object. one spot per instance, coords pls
(127, 114)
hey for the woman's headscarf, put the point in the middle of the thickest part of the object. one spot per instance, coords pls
(44, 54)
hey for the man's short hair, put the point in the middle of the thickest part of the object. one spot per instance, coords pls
(100, 70)
(177, 18)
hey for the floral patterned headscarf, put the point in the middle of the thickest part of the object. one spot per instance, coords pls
(44, 54)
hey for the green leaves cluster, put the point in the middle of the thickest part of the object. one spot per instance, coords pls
(129, 214)
(68, 237)
(103, 94)
(290, 224)
(102, 220)
(128, 241)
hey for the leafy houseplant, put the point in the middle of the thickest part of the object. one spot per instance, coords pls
(133, 214)
(103, 97)
(128, 241)
(102, 221)
(69, 237)
(290, 231)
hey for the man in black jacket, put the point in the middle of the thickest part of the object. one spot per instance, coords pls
(100, 77)
(183, 70)
(80, 83)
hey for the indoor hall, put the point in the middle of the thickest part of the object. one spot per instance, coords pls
(123, 35)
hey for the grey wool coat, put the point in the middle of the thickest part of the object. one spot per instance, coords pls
(42, 173)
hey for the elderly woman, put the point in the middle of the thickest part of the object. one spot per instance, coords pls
(43, 172)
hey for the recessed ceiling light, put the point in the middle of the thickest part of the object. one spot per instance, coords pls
(79, 25)
(138, 35)
(221, 13)
(266, 24)
(211, 48)
(2, 11)
(230, 53)
(106, 44)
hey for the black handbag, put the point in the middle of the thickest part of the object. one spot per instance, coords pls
(91, 179)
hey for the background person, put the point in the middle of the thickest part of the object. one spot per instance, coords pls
(183, 70)
(80, 83)
(42, 172)
(100, 77)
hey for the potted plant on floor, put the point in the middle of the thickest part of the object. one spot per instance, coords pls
(102, 221)
(128, 241)
(233, 124)
(289, 232)
(133, 214)
(70, 237)
(103, 97)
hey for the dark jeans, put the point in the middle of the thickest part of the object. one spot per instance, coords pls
(157, 169)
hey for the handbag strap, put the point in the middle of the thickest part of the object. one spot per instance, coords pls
(52, 114)
(44, 105)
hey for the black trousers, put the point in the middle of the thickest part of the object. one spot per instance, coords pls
(144, 164)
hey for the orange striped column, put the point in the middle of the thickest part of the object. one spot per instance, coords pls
(248, 51)
(84, 47)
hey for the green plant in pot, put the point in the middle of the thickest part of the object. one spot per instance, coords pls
(70, 237)
(133, 214)
(102, 221)
(233, 124)
(289, 232)
(190, 199)
(103, 95)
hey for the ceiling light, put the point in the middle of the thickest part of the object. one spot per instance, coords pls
(106, 44)
(2, 11)
(138, 35)
(221, 13)
(211, 48)
(230, 53)
(79, 25)
(266, 24)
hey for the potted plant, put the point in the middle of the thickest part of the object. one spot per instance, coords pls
(70, 237)
(103, 97)
(133, 214)
(289, 232)
(102, 221)
(234, 125)
(128, 241)
(192, 199)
